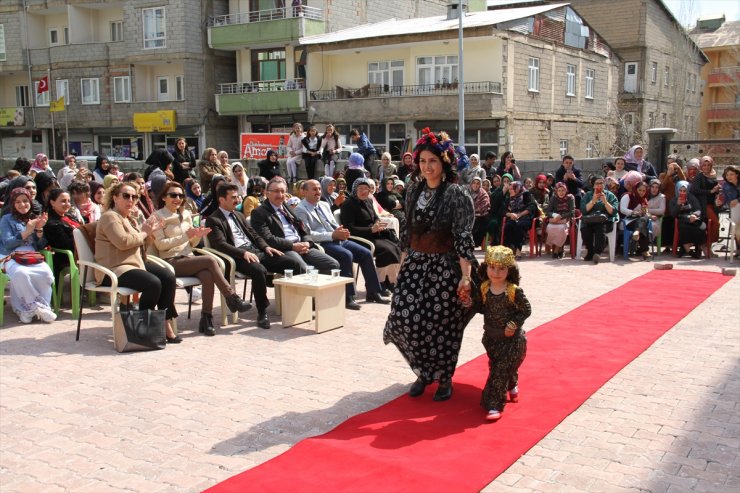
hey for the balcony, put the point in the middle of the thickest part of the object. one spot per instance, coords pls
(723, 112)
(264, 27)
(69, 54)
(261, 97)
(725, 76)
(375, 102)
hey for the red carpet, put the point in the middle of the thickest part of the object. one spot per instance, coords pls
(417, 445)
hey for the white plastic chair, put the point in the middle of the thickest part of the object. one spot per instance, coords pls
(362, 241)
(88, 266)
(611, 239)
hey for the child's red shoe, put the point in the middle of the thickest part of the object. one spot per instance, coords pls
(514, 394)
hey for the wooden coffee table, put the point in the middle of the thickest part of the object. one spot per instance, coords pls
(298, 292)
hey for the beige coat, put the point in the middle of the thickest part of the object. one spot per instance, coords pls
(172, 239)
(117, 244)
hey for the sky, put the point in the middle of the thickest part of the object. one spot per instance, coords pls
(687, 11)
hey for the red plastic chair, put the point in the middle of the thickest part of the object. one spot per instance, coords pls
(572, 233)
(534, 244)
(675, 239)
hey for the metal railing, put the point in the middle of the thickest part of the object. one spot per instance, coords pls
(261, 86)
(725, 106)
(301, 11)
(382, 91)
(725, 70)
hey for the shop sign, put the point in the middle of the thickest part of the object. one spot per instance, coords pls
(159, 121)
(12, 117)
(255, 145)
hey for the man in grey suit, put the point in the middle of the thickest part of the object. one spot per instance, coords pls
(318, 218)
(282, 230)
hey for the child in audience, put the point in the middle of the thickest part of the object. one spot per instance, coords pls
(505, 308)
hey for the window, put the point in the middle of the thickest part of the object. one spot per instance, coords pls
(590, 148)
(21, 96)
(570, 80)
(693, 83)
(651, 119)
(590, 76)
(2, 42)
(66, 35)
(563, 148)
(116, 31)
(534, 75)
(180, 88)
(163, 88)
(122, 89)
(386, 74)
(43, 98)
(654, 72)
(480, 141)
(434, 70)
(268, 64)
(155, 34)
(63, 90)
(665, 120)
(90, 90)
(53, 36)
(666, 76)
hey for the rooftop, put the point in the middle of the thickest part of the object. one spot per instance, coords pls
(395, 27)
(726, 35)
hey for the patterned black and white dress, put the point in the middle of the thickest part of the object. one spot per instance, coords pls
(427, 320)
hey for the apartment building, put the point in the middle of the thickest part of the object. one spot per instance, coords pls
(134, 74)
(659, 81)
(268, 91)
(720, 110)
(537, 80)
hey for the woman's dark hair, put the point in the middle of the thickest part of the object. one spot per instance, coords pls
(167, 186)
(610, 165)
(22, 165)
(449, 171)
(53, 195)
(730, 168)
(504, 156)
(513, 275)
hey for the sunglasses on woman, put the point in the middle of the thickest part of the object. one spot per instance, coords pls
(174, 195)
(129, 196)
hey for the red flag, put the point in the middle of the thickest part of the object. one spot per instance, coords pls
(43, 84)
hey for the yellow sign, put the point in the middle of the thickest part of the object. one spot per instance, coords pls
(56, 106)
(160, 121)
(12, 117)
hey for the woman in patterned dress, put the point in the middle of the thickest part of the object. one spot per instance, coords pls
(428, 313)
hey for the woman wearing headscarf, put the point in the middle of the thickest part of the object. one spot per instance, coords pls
(159, 159)
(41, 165)
(406, 167)
(209, 165)
(731, 195)
(560, 212)
(691, 229)
(540, 192)
(597, 202)
(359, 217)
(475, 169)
(656, 207)
(693, 168)
(329, 193)
(521, 210)
(270, 166)
(195, 196)
(705, 187)
(634, 208)
(634, 162)
(481, 208)
(239, 178)
(430, 307)
(30, 285)
(629, 182)
(109, 181)
(101, 168)
(499, 196)
(390, 201)
(28, 184)
(355, 169)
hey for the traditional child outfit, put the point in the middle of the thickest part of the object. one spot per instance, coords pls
(505, 354)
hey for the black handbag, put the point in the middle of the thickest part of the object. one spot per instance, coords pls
(139, 330)
(594, 219)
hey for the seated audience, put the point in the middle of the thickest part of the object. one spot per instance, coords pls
(62, 221)
(656, 207)
(634, 208)
(89, 210)
(560, 212)
(482, 208)
(691, 229)
(600, 208)
(520, 211)
(329, 193)
(731, 198)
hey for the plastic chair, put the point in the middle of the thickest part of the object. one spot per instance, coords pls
(74, 282)
(572, 232)
(611, 238)
(675, 239)
(4, 280)
(88, 266)
(180, 282)
(362, 241)
(534, 245)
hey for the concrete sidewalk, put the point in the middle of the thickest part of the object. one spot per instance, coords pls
(76, 416)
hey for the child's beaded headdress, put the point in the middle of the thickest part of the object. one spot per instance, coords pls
(441, 142)
(500, 256)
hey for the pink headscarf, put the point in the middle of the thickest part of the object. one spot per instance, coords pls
(36, 166)
(631, 179)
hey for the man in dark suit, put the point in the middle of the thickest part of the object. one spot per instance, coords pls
(232, 235)
(282, 230)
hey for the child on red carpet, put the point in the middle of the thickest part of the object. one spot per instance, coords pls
(505, 308)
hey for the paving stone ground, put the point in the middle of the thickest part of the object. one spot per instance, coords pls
(78, 417)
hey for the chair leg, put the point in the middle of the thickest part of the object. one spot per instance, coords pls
(74, 280)
(3, 283)
(79, 316)
(190, 303)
